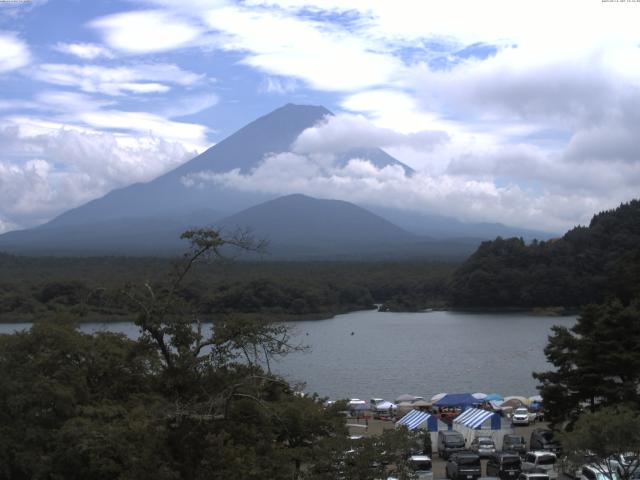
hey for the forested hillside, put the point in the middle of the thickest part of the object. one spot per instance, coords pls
(586, 265)
(33, 288)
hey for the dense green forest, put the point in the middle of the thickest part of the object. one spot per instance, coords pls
(34, 288)
(175, 403)
(587, 265)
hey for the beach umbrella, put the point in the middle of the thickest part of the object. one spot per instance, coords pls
(479, 396)
(512, 402)
(421, 403)
(523, 400)
(404, 406)
(492, 397)
(438, 396)
(406, 398)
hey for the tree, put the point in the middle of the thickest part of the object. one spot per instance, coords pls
(602, 437)
(182, 402)
(597, 363)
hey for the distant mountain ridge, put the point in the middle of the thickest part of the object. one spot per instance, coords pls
(147, 218)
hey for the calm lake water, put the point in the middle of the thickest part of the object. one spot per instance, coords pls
(419, 353)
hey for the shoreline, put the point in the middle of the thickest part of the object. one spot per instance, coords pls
(285, 318)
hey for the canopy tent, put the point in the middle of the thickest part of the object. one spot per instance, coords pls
(535, 399)
(417, 419)
(438, 396)
(404, 407)
(493, 396)
(357, 405)
(457, 400)
(474, 422)
(479, 395)
(407, 398)
(385, 406)
(421, 404)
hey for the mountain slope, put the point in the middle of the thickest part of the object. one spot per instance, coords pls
(301, 227)
(167, 195)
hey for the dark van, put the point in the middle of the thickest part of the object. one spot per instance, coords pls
(514, 443)
(505, 465)
(449, 441)
(463, 466)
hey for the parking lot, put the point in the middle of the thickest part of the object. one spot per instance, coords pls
(375, 427)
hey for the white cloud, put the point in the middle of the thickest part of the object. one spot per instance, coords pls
(279, 86)
(146, 31)
(143, 78)
(14, 53)
(86, 51)
(343, 132)
(48, 168)
(466, 198)
(323, 56)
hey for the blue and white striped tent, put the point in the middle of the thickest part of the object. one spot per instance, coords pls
(474, 422)
(476, 418)
(418, 419)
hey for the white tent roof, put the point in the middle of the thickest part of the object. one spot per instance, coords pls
(413, 419)
(473, 417)
(384, 405)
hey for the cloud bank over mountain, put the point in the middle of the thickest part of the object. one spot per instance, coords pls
(506, 112)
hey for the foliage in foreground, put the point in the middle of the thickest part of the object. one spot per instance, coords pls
(602, 437)
(180, 402)
(597, 363)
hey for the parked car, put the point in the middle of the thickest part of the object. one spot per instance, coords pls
(463, 466)
(542, 439)
(521, 416)
(533, 476)
(595, 472)
(449, 441)
(625, 463)
(483, 446)
(422, 466)
(514, 443)
(541, 461)
(505, 465)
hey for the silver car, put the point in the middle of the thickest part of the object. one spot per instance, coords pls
(483, 446)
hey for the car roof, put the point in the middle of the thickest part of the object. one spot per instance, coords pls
(539, 453)
(464, 453)
(420, 458)
(505, 454)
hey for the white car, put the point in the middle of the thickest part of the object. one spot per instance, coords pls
(422, 467)
(521, 416)
(541, 461)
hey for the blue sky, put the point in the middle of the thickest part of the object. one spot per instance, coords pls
(524, 113)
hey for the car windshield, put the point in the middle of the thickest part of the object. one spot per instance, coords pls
(546, 460)
(514, 440)
(486, 443)
(468, 461)
(511, 462)
(421, 465)
(521, 411)
(455, 441)
(548, 436)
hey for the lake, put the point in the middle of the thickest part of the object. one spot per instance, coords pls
(423, 353)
